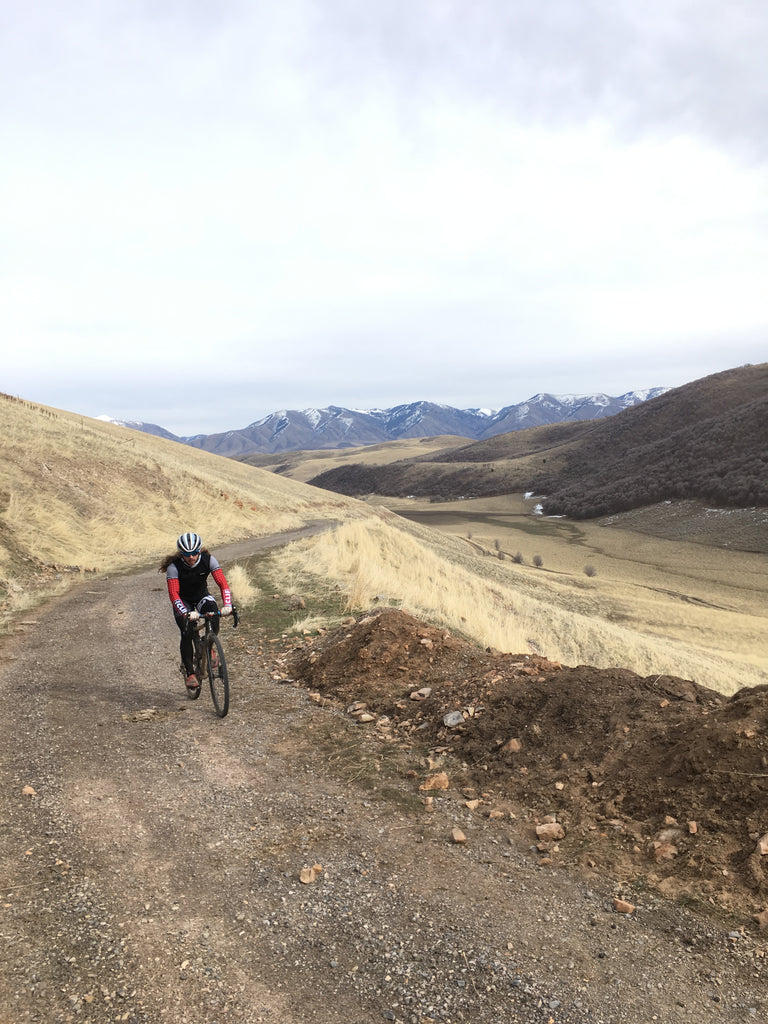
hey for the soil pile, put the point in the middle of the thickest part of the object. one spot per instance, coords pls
(656, 779)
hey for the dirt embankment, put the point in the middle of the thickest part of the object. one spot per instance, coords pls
(285, 864)
(653, 777)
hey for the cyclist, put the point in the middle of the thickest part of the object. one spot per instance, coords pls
(186, 574)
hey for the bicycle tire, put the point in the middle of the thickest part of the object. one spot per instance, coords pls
(218, 677)
(198, 663)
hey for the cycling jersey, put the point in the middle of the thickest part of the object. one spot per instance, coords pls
(188, 584)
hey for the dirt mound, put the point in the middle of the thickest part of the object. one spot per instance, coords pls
(656, 776)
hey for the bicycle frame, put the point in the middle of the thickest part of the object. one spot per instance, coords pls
(204, 641)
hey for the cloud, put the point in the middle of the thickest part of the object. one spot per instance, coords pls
(318, 203)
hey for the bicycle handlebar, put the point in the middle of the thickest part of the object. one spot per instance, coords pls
(213, 615)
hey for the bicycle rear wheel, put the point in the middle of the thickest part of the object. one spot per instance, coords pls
(218, 676)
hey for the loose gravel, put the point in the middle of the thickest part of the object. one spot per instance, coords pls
(154, 873)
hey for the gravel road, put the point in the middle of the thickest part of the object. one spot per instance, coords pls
(151, 858)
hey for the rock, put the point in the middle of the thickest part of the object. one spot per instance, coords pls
(365, 716)
(622, 907)
(421, 694)
(550, 830)
(762, 920)
(559, 786)
(762, 845)
(472, 804)
(29, 791)
(426, 642)
(356, 707)
(512, 746)
(693, 827)
(295, 603)
(438, 781)
(309, 875)
(659, 851)
(669, 835)
(458, 836)
(452, 719)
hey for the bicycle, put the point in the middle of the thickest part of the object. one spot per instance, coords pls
(209, 659)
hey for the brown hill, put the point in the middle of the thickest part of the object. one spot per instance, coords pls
(651, 777)
(706, 440)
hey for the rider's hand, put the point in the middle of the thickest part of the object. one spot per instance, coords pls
(193, 616)
(227, 609)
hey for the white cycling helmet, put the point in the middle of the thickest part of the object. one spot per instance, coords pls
(189, 544)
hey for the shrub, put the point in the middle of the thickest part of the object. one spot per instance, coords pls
(518, 559)
(590, 570)
(538, 561)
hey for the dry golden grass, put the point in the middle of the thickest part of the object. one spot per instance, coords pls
(654, 607)
(303, 466)
(78, 492)
(244, 592)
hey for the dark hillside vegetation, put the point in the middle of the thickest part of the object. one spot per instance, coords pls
(707, 440)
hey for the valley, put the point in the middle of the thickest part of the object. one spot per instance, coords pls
(333, 850)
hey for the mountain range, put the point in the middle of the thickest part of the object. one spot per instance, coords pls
(337, 427)
(707, 440)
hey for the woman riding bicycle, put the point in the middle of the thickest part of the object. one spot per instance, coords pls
(186, 574)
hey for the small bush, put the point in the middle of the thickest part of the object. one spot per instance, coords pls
(518, 559)
(590, 570)
(538, 561)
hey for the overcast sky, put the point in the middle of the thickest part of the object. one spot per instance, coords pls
(213, 211)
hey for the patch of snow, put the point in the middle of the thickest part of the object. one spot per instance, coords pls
(268, 419)
(313, 415)
(642, 395)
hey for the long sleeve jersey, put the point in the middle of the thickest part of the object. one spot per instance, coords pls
(187, 585)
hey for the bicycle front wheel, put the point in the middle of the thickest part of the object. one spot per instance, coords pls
(198, 664)
(218, 676)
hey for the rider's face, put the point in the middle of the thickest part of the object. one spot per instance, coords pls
(191, 560)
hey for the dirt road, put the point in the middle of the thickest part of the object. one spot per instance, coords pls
(150, 861)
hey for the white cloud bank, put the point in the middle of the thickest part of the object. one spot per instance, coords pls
(211, 214)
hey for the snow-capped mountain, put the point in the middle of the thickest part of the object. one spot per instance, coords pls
(336, 427)
(145, 428)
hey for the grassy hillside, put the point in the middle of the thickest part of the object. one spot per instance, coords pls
(652, 605)
(304, 465)
(503, 464)
(707, 440)
(78, 494)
